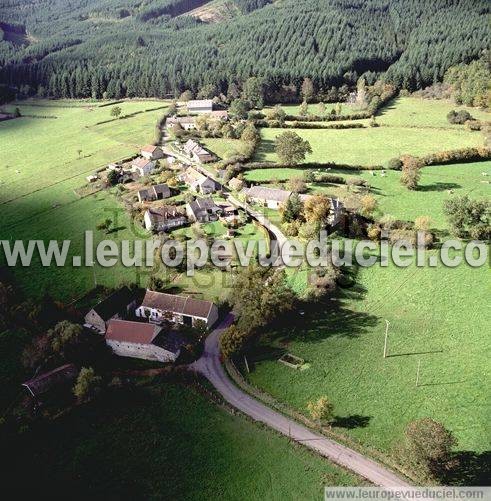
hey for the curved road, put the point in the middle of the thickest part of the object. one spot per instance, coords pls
(209, 365)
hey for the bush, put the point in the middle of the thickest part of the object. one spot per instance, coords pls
(394, 164)
(459, 117)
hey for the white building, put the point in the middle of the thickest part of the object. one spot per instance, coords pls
(199, 182)
(143, 340)
(142, 166)
(272, 198)
(151, 152)
(159, 307)
(200, 106)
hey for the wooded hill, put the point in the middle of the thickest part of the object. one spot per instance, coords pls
(127, 48)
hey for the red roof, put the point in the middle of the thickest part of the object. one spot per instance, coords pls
(149, 148)
(131, 332)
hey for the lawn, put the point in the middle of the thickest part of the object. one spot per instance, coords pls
(370, 146)
(43, 160)
(437, 317)
(395, 199)
(166, 441)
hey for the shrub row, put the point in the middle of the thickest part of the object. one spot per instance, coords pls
(457, 156)
(305, 125)
(328, 118)
(309, 165)
(112, 103)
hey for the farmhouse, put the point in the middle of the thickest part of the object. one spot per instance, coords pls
(187, 123)
(268, 197)
(158, 307)
(164, 218)
(155, 192)
(61, 378)
(199, 182)
(228, 212)
(197, 153)
(220, 114)
(142, 166)
(143, 340)
(200, 106)
(151, 152)
(117, 305)
(203, 210)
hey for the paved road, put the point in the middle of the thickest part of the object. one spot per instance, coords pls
(209, 366)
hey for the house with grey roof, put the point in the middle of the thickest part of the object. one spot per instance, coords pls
(158, 307)
(198, 182)
(164, 218)
(155, 192)
(203, 210)
(197, 153)
(200, 106)
(272, 198)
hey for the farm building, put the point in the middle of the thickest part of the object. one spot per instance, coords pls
(59, 379)
(158, 307)
(117, 305)
(200, 106)
(197, 153)
(164, 218)
(268, 197)
(155, 192)
(151, 152)
(220, 114)
(203, 210)
(143, 340)
(199, 182)
(142, 166)
(187, 123)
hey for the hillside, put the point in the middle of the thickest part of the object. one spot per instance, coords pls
(130, 48)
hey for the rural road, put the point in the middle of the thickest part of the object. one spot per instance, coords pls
(209, 365)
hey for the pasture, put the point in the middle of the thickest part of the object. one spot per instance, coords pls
(392, 196)
(437, 317)
(44, 160)
(406, 126)
(177, 441)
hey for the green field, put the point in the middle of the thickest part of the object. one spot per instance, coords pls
(222, 147)
(407, 126)
(393, 197)
(166, 441)
(313, 109)
(437, 317)
(40, 167)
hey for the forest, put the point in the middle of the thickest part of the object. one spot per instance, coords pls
(130, 48)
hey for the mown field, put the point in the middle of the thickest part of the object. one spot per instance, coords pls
(166, 441)
(44, 160)
(392, 196)
(408, 126)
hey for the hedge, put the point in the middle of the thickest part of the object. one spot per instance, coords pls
(309, 165)
(305, 125)
(457, 156)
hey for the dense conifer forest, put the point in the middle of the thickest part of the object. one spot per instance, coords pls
(128, 48)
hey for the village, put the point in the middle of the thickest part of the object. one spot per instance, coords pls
(148, 324)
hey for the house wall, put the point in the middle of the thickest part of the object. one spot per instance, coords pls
(171, 223)
(157, 316)
(94, 320)
(142, 351)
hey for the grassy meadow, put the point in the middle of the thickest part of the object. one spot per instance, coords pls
(407, 126)
(44, 160)
(392, 196)
(437, 316)
(168, 441)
